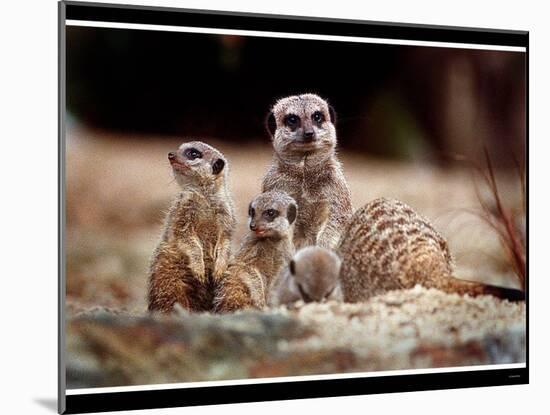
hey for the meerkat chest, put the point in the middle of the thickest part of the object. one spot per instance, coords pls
(304, 189)
(212, 223)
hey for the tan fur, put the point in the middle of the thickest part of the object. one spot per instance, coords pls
(388, 246)
(264, 251)
(195, 244)
(309, 171)
(312, 275)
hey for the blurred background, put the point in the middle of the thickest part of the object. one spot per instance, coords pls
(405, 114)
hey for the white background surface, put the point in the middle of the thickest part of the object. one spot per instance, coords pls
(28, 163)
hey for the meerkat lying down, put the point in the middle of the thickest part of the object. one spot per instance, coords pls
(264, 251)
(311, 275)
(388, 246)
(195, 244)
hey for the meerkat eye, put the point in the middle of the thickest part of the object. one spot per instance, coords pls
(271, 213)
(292, 121)
(318, 117)
(192, 154)
(251, 211)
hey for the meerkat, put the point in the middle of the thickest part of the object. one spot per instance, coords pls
(264, 251)
(311, 275)
(305, 166)
(388, 246)
(194, 248)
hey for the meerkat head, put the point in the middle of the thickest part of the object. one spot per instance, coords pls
(315, 273)
(302, 125)
(196, 163)
(272, 215)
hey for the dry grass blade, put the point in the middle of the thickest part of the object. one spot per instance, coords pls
(501, 219)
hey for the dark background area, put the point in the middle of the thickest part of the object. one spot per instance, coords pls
(394, 101)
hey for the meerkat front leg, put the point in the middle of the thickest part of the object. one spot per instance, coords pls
(314, 222)
(170, 281)
(192, 249)
(322, 221)
(232, 293)
(222, 253)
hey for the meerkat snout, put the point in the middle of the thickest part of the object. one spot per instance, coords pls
(306, 132)
(309, 135)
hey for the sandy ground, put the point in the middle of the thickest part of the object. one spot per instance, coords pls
(118, 188)
(408, 329)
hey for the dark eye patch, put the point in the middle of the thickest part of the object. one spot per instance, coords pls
(192, 154)
(318, 117)
(250, 211)
(292, 121)
(270, 214)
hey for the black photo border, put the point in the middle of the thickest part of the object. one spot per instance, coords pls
(165, 398)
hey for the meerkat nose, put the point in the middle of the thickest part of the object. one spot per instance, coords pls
(171, 155)
(309, 134)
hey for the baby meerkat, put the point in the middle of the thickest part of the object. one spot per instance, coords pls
(195, 244)
(264, 251)
(388, 246)
(306, 167)
(311, 275)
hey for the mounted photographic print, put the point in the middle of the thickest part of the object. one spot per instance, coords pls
(258, 207)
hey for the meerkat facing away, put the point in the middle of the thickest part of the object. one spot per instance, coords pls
(195, 244)
(306, 167)
(311, 275)
(263, 253)
(388, 246)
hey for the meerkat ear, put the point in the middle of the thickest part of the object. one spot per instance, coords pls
(292, 267)
(332, 114)
(270, 123)
(291, 213)
(218, 166)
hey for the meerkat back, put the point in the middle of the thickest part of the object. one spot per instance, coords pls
(388, 246)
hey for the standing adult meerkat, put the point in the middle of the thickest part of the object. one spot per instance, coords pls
(194, 248)
(311, 275)
(306, 167)
(264, 251)
(388, 246)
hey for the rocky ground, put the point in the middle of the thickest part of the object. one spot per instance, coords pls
(117, 191)
(416, 328)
